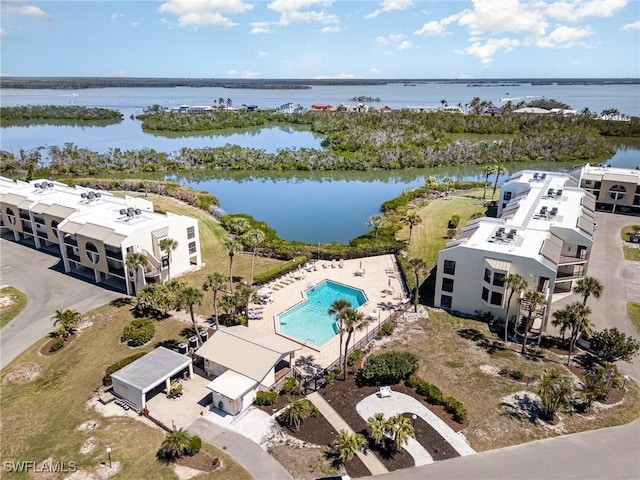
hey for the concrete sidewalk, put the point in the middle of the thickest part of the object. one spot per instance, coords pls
(372, 462)
(250, 455)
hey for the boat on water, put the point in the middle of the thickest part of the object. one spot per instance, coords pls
(409, 84)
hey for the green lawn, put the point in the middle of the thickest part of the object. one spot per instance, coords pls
(627, 231)
(40, 417)
(430, 237)
(633, 309)
(16, 303)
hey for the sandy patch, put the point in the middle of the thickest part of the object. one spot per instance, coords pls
(6, 300)
(88, 426)
(99, 472)
(25, 373)
(88, 446)
(490, 370)
(186, 473)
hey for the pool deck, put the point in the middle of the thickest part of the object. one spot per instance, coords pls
(379, 272)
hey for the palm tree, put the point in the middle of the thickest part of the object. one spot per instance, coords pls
(347, 444)
(515, 283)
(188, 297)
(376, 222)
(488, 170)
(498, 170)
(135, 260)
(353, 320)
(579, 322)
(555, 391)
(254, 238)
(176, 443)
(232, 245)
(214, 282)
(168, 245)
(443, 102)
(238, 225)
(338, 309)
(447, 181)
(68, 320)
(418, 266)
(588, 286)
(561, 321)
(401, 430)
(411, 220)
(297, 411)
(379, 426)
(533, 300)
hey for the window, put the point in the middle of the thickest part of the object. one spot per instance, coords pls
(54, 227)
(485, 294)
(496, 298)
(498, 279)
(447, 284)
(192, 247)
(191, 232)
(445, 301)
(617, 192)
(92, 252)
(449, 267)
(507, 196)
(11, 216)
(487, 275)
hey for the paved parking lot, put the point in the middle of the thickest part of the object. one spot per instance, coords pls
(41, 277)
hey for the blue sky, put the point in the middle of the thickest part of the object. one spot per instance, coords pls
(321, 38)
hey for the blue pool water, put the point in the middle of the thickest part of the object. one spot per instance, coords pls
(309, 321)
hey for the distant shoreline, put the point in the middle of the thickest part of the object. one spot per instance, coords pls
(72, 83)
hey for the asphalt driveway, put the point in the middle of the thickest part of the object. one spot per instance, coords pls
(41, 277)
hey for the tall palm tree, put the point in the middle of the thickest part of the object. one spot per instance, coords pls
(379, 426)
(347, 444)
(579, 323)
(498, 170)
(515, 283)
(238, 225)
(401, 430)
(297, 411)
(176, 443)
(411, 220)
(555, 392)
(214, 282)
(68, 320)
(447, 182)
(168, 245)
(533, 300)
(488, 170)
(353, 320)
(588, 286)
(232, 245)
(418, 266)
(253, 238)
(376, 222)
(561, 321)
(188, 297)
(135, 260)
(338, 309)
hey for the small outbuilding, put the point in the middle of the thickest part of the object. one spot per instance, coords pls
(149, 374)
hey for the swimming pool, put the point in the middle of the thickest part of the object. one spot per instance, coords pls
(309, 322)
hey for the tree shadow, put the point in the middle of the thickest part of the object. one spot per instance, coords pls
(121, 302)
(587, 361)
(308, 365)
(188, 332)
(472, 334)
(171, 344)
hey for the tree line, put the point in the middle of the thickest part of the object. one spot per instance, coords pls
(56, 114)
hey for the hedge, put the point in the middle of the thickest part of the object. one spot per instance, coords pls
(279, 270)
(266, 398)
(106, 380)
(456, 408)
(139, 332)
(388, 368)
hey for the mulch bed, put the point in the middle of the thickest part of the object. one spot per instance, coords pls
(200, 461)
(615, 394)
(46, 348)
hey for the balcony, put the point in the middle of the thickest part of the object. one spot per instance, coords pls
(573, 259)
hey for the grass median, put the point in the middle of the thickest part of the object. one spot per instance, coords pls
(12, 302)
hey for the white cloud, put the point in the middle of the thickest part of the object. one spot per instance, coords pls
(404, 45)
(374, 71)
(260, 27)
(511, 16)
(398, 40)
(29, 11)
(330, 29)
(631, 26)
(232, 73)
(3, 32)
(390, 6)
(116, 16)
(119, 73)
(346, 76)
(263, 54)
(431, 29)
(564, 36)
(197, 13)
(297, 11)
(381, 40)
(133, 24)
(486, 51)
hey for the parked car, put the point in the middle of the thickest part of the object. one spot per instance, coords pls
(635, 238)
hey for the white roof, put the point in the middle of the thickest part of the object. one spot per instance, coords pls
(231, 384)
(531, 110)
(152, 369)
(614, 174)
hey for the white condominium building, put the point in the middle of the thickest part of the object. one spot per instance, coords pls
(615, 189)
(94, 231)
(544, 232)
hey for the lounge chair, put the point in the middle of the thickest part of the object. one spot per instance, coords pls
(384, 392)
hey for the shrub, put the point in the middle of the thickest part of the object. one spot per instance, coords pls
(453, 223)
(281, 269)
(456, 408)
(195, 444)
(266, 398)
(330, 377)
(56, 344)
(291, 387)
(106, 380)
(388, 368)
(386, 329)
(314, 411)
(354, 356)
(431, 392)
(517, 375)
(139, 332)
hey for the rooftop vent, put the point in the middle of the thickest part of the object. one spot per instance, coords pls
(129, 213)
(43, 186)
(501, 235)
